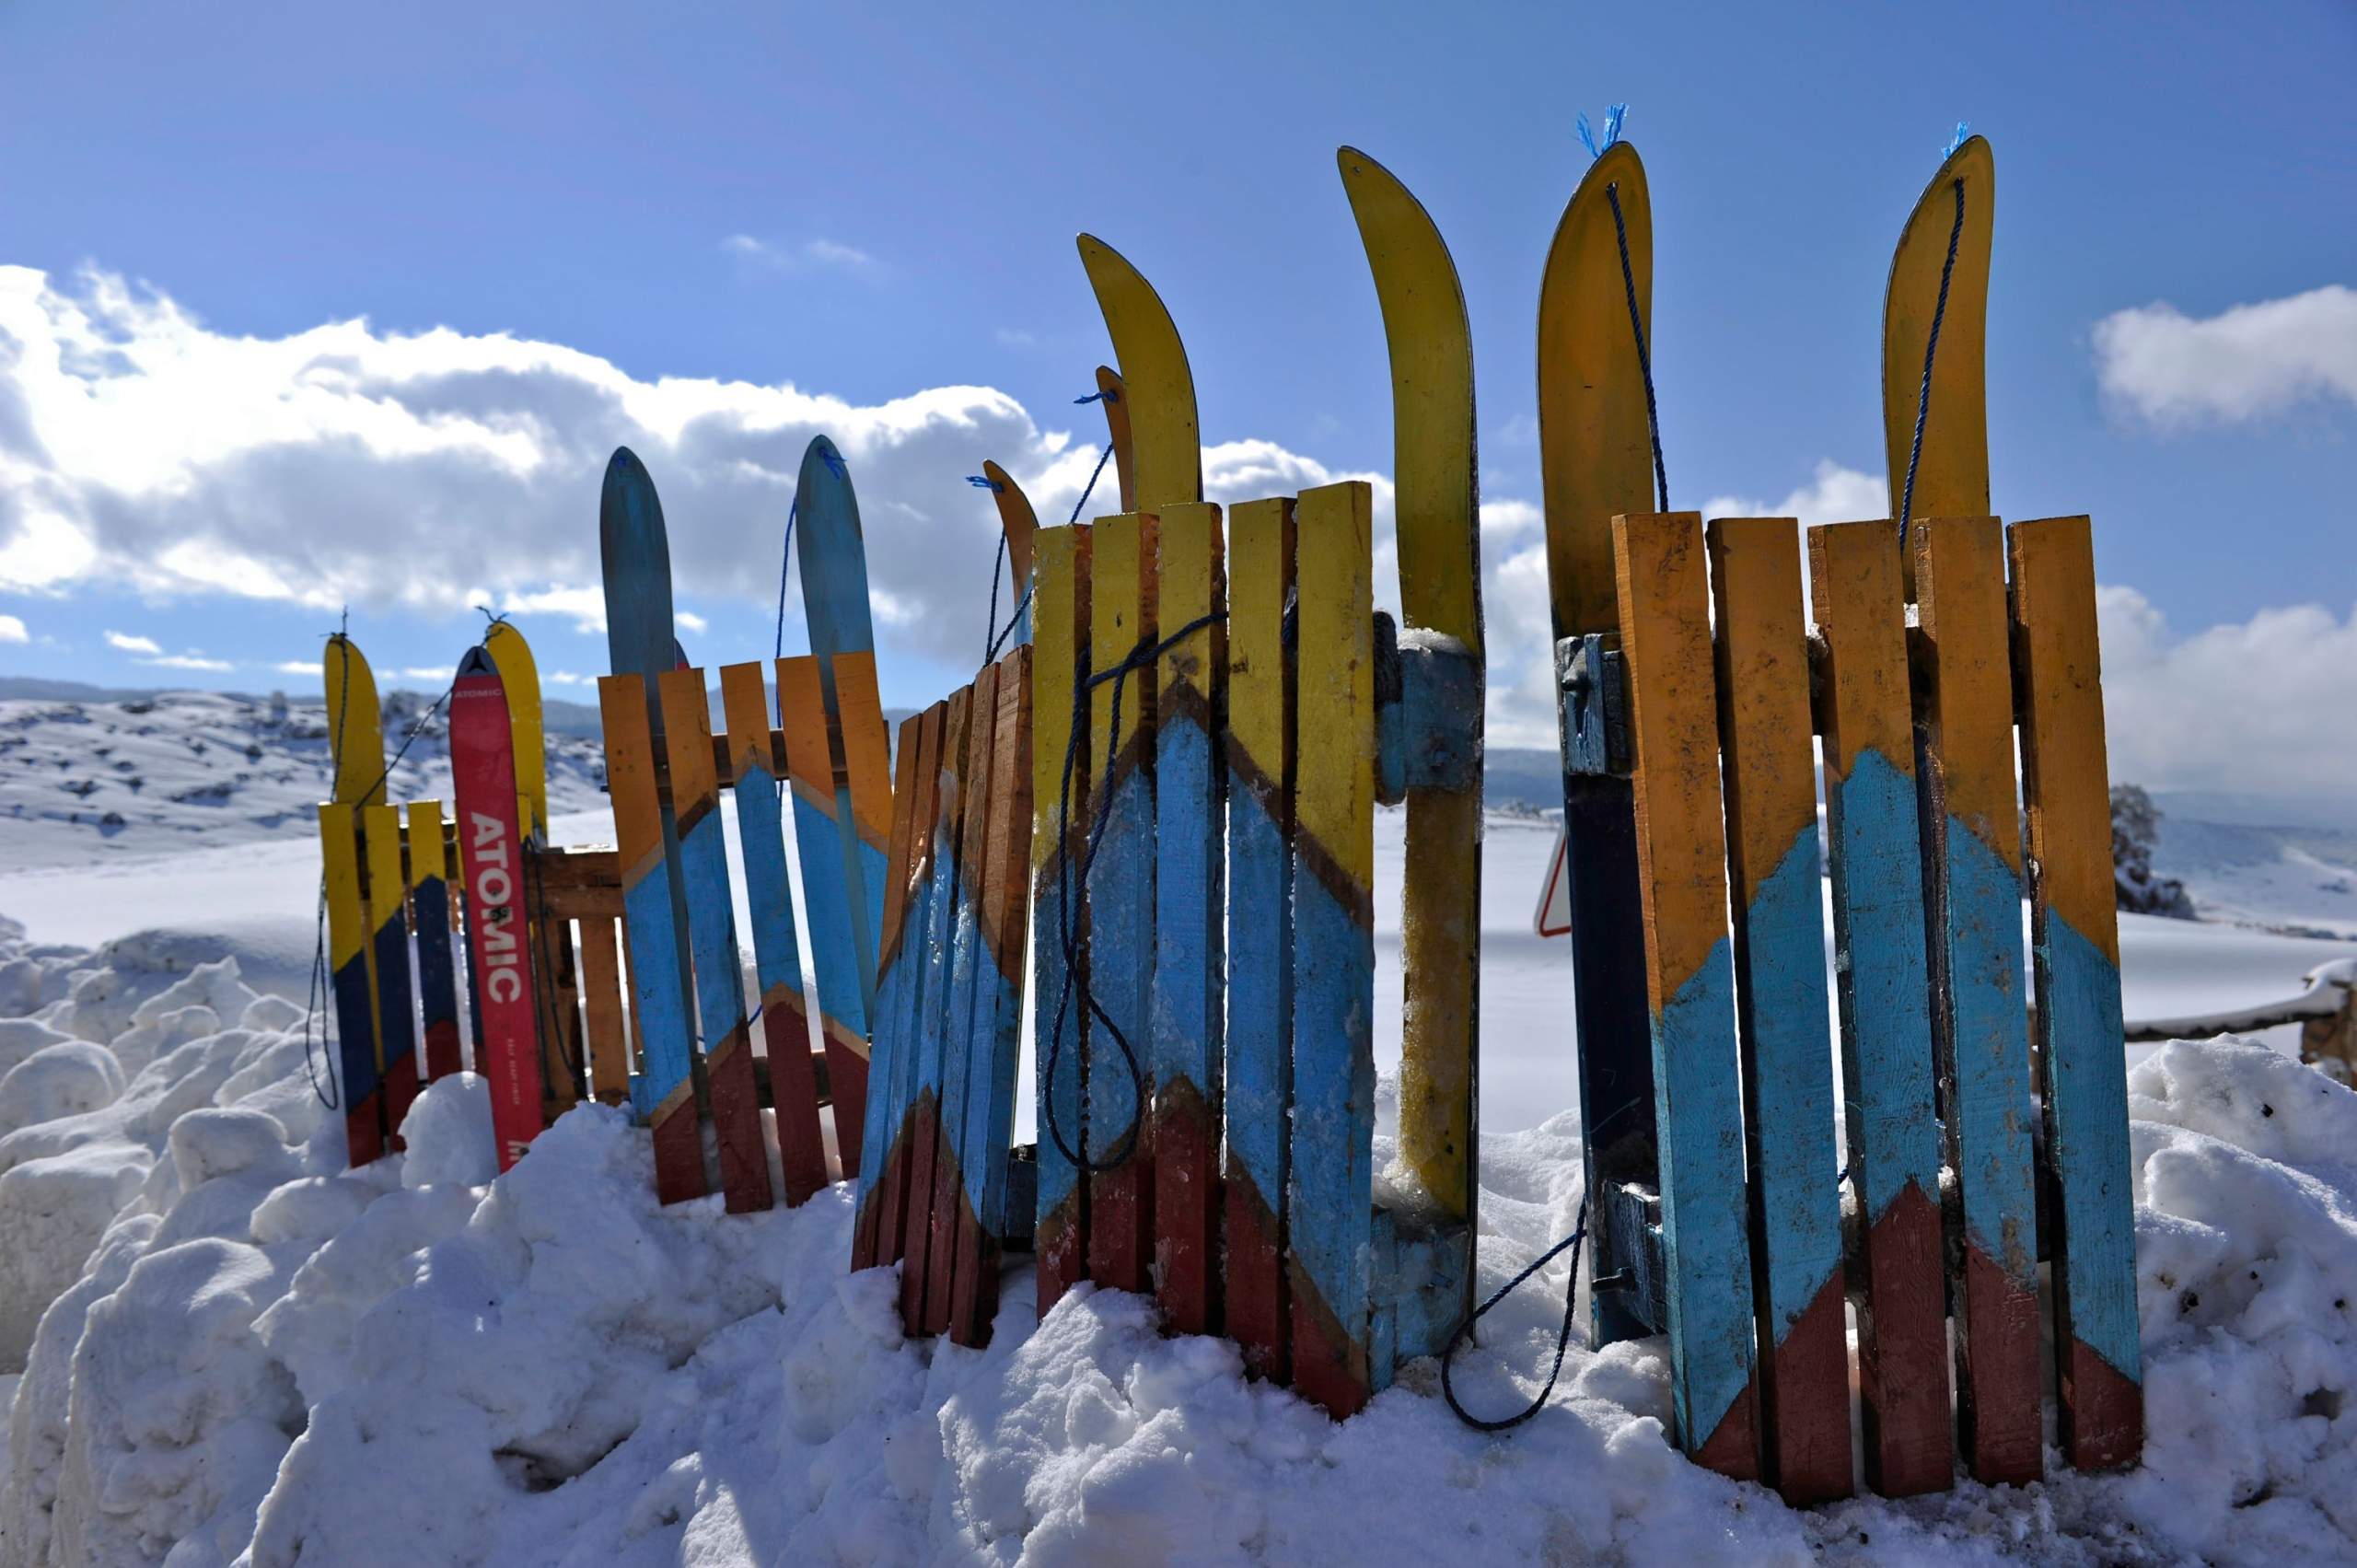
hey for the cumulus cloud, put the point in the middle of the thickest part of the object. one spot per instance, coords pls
(126, 643)
(820, 252)
(12, 629)
(2247, 362)
(299, 667)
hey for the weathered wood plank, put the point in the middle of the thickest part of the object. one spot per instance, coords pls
(2074, 934)
(1189, 957)
(998, 1000)
(601, 983)
(1768, 770)
(1681, 849)
(933, 1008)
(832, 905)
(1121, 890)
(1061, 780)
(968, 958)
(1332, 1151)
(777, 953)
(1899, 1285)
(880, 1124)
(664, 1093)
(897, 1081)
(1256, 1105)
(712, 941)
(1972, 858)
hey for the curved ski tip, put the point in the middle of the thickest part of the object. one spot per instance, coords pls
(1095, 253)
(1356, 166)
(1617, 165)
(478, 662)
(1973, 160)
(624, 461)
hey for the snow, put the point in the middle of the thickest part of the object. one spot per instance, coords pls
(220, 1347)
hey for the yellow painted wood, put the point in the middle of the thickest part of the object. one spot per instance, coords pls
(1971, 712)
(1595, 456)
(1673, 732)
(1856, 587)
(1260, 568)
(1060, 645)
(1122, 604)
(1159, 388)
(1191, 575)
(1437, 503)
(347, 913)
(355, 726)
(429, 852)
(1334, 533)
(1114, 398)
(2066, 776)
(1952, 476)
(1762, 662)
(519, 677)
(1019, 522)
(867, 749)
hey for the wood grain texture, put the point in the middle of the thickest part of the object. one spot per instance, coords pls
(777, 953)
(831, 909)
(1256, 1102)
(1061, 631)
(934, 1009)
(893, 1017)
(1979, 1026)
(663, 1094)
(1874, 857)
(2075, 935)
(1681, 847)
(1120, 892)
(969, 957)
(898, 1084)
(601, 985)
(1331, 1155)
(1768, 770)
(1190, 955)
(989, 1133)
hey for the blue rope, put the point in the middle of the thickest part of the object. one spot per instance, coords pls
(1108, 395)
(1637, 327)
(785, 563)
(1931, 348)
(1963, 135)
(1612, 120)
(980, 482)
(1015, 616)
(834, 463)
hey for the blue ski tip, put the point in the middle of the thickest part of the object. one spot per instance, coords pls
(1963, 135)
(477, 662)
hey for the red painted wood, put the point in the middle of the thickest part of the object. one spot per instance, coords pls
(1329, 1368)
(973, 1298)
(679, 1151)
(924, 1146)
(1254, 1297)
(2102, 1412)
(1997, 1368)
(1809, 1433)
(1186, 1208)
(736, 1121)
(794, 1088)
(1903, 1351)
(948, 1209)
(1056, 1242)
(1733, 1449)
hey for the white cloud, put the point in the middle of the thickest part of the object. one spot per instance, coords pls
(1833, 495)
(1014, 337)
(128, 644)
(818, 253)
(12, 629)
(192, 660)
(2244, 363)
(299, 667)
(566, 678)
(690, 621)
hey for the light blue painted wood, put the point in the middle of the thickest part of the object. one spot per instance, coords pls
(1190, 899)
(830, 912)
(1332, 1142)
(1121, 956)
(1258, 1087)
(1990, 1107)
(1060, 1030)
(1707, 1253)
(968, 958)
(1790, 1075)
(2086, 1090)
(760, 838)
(1883, 989)
(712, 929)
(659, 985)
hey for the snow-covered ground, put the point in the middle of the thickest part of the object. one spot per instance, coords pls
(233, 1349)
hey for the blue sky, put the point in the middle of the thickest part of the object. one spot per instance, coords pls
(872, 205)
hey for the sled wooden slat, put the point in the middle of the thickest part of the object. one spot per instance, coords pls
(601, 980)
(433, 913)
(1768, 768)
(900, 1211)
(1875, 859)
(712, 939)
(1681, 846)
(777, 954)
(1060, 602)
(1189, 962)
(2074, 934)
(971, 971)
(1980, 1025)
(829, 907)
(1119, 895)
(880, 1124)
(355, 1012)
(1257, 1102)
(380, 843)
(663, 1094)
(935, 1028)
(864, 764)
(989, 1129)
(1331, 1152)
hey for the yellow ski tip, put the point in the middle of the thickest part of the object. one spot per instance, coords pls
(1158, 390)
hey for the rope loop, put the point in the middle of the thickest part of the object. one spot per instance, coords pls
(1076, 749)
(784, 565)
(1637, 327)
(1562, 1336)
(1931, 349)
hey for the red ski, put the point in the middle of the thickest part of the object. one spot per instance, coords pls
(491, 848)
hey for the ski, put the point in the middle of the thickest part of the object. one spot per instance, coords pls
(563, 1070)
(634, 551)
(434, 912)
(491, 853)
(356, 772)
(1437, 508)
